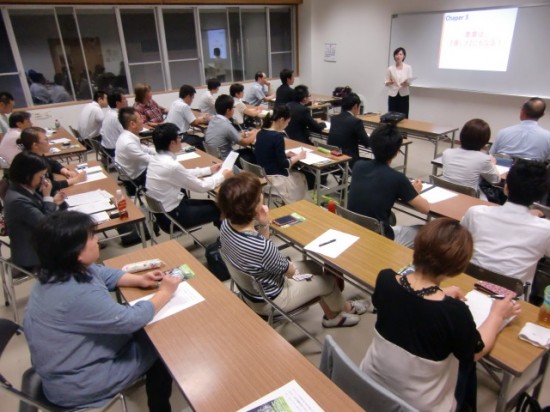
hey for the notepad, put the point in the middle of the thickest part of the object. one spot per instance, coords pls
(437, 194)
(312, 158)
(289, 398)
(91, 177)
(187, 156)
(61, 140)
(88, 197)
(332, 243)
(480, 307)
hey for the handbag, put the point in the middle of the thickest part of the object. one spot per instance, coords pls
(392, 117)
(526, 403)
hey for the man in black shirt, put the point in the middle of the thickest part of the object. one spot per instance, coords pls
(285, 93)
(301, 122)
(375, 186)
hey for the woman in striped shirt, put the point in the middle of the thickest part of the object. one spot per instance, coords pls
(245, 242)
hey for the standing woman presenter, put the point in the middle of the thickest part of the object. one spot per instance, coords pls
(398, 78)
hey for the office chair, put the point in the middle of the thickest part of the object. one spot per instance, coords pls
(212, 150)
(362, 220)
(249, 285)
(455, 187)
(273, 193)
(368, 394)
(515, 285)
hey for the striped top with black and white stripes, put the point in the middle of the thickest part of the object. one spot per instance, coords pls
(255, 255)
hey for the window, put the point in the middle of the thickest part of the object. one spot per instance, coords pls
(254, 32)
(142, 47)
(9, 77)
(215, 44)
(280, 25)
(181, 45)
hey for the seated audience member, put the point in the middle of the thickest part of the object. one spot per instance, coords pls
(249, 249)
(150, 111)
(181, 115)
(301, 122)
(132, 156)
(526, 139)
(270, 154)
(257, 93)
(508, 239)
(103, 341)
(467, 165)
(111, 128)
(207, 101)
(39, 92)
(285, 93)
(166, 177)
(58, 93)
(6, 107)
(426, 342)
(375, 186)
(91, 116)
(8, 146)
(34, 140)
(346, 130)
(236, 91)
(222, 134)
(27, 201)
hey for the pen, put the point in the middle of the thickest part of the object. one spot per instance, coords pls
(327, 242)
(501, 297)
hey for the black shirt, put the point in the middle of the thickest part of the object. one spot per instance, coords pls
(347, 132)
(425, 328)
(269, 150)
(374, 189)
(284, 94)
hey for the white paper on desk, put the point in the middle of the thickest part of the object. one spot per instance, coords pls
(100, 217)
(334, 249)
(312, 158)
(228, 163)
(437, 194)
(61, 140)
(91, 208)
(54, 150)
(299, 149)
(327, 125)
(93, 169)
(184, 297)
(502, 169)
(88, 197)
(187, 156)
(265, 112)
(536, 335)
(290, 397)
(91, 177)
(480, 306)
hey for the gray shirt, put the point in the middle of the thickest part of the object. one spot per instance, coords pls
(221, 134)
(81, 340)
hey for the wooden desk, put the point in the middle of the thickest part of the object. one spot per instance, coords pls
(342, 163)
(220, 353)
(456, 207)
(423, 130)
(74, 148)
(135, 215)
(205, 160)
(372, 252)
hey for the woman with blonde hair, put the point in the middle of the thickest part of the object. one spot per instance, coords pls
(151, 112)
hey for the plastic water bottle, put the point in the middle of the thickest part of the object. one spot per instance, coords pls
(544, 313)
(57, 124)
(120, 201)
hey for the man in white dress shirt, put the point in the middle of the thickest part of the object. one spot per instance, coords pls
(181, 115)
(130, 154)
(9, 148)
(91, 117)
(509, 239)
(111, 128)
(527, 139)
(6, 107)
(166, 177)
(206, 103)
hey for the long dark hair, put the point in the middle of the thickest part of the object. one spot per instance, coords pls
(58, 240)
(280, 111)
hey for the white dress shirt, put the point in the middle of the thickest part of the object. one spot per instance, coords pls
(207, 103)
(398, 76)
(466, 167)
(90, 120)
(131, 155)
(166, 177)
(508, 239)
(181, 115)
(8, 145)
(111, 129)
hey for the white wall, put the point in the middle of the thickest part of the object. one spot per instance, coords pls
(361, 29)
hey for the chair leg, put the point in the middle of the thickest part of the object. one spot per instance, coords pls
(4, 284)
(11, 293)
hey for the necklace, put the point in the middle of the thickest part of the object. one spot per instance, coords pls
(430, 290)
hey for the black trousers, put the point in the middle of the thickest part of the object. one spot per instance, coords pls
(193, 141)
(192, 212)
(399, 104)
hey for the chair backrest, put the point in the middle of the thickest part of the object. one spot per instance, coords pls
(543, 208)
(252, 168)
(76, 133)
(244, 281)
(515, 285)
(122, 175)
(154, 205)
(455, 187)
(212, 150)
(362, 220)
(355, 383)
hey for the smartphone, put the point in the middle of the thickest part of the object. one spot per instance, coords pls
(285, 220)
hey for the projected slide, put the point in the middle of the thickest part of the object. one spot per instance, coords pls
(477, 40)
(216, 39)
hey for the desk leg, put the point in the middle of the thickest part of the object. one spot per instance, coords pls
(503, 392)
(345, 183)
(318, 185)
(405, 157)
(436, 146)
(453, 139)
(542, 371)
(141, 229)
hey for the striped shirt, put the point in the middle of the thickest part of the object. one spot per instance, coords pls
(255, 255)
